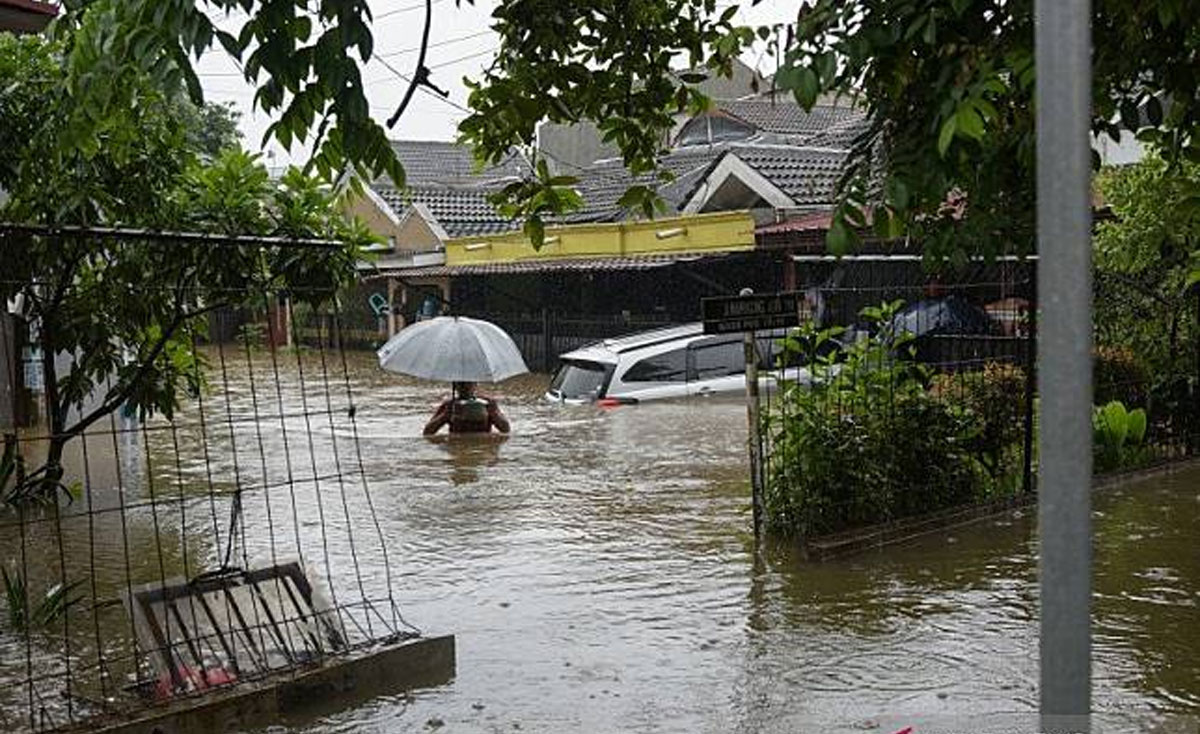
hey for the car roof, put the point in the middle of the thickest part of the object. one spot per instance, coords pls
(609, 350)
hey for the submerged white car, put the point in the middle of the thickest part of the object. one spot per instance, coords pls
(673, 362)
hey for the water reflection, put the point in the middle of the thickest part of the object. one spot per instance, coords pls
(597, 569)
(469, 455)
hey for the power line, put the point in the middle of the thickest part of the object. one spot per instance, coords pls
(404, 9)
(468, 57)
(446, 42)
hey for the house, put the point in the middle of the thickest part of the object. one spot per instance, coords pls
(744, 164)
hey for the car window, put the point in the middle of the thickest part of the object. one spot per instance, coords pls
(579, 379)
(666, 367)
(713, 359)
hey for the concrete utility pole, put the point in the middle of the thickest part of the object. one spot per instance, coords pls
(1063, 48)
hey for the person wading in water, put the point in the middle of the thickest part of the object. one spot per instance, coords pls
(466, 412)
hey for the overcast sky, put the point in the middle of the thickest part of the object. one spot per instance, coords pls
(461, 44)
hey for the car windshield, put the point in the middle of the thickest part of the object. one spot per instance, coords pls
(577, 379)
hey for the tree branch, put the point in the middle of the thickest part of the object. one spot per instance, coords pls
(422, 74)
(119, 395)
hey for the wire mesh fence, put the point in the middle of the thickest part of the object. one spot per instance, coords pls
(906, 395)
(190, 516)
(900, 397)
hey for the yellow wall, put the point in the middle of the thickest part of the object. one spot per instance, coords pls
(698, 233)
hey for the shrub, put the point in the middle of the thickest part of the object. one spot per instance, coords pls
(866, 441)
(1118, 374)
(996, 397)
(1118, 436)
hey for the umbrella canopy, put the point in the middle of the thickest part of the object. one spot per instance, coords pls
(453, 349)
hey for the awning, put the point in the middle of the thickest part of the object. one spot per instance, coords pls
(565, 265)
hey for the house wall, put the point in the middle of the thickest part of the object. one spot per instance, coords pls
(697, 233)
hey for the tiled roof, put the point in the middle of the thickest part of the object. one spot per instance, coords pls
(591, 264)
(807, 175)
(783, 116)
(602, 184)
(437, 162)
(842, 135)
(460, 211)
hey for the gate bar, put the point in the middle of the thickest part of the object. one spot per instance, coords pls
(1063, 51)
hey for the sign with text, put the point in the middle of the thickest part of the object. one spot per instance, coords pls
(757, 312)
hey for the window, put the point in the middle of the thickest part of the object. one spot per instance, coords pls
(666, 367)
(717, 358)
(577, 379)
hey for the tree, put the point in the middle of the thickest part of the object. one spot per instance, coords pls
(124, 310)
(948, 85)
(211, 129)
(1147, 256)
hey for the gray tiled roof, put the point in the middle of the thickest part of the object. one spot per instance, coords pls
(602, 184)
(842, 135)
(783, 116)
(461, 211)
(807, 175)
(437, 162)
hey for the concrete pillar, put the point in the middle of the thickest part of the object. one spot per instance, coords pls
(391, 299)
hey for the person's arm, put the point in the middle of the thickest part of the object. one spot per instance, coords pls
(497, 418)
(440, 418)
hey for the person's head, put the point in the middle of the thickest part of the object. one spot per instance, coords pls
(464, 389)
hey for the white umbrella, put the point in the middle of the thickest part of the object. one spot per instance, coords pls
(453, 349)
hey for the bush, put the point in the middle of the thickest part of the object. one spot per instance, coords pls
(1118, 374)
(996, 397)
(867, 441)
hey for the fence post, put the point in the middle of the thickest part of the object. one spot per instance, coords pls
(752, 416)
(1030, 388)
(545, 339)
(1062, 39)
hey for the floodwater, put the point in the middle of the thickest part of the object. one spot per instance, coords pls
(597, 571)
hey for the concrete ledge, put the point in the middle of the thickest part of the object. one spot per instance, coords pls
(337, 684)
(885, 534)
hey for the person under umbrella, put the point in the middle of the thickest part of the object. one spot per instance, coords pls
(461, 351)
(467, 412)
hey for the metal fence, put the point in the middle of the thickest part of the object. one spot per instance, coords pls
(155, 550)
(908, 396)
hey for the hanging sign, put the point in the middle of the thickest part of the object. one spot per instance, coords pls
(756, 312)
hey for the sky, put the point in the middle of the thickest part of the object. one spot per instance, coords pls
(461, 44)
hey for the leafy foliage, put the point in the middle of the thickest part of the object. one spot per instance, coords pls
(299, 55)
(1118, 436)
(125, 309)
(866, 441)
(949, 86)
(210, 128)
(609, 61)
(27, 614)
(1145, 258)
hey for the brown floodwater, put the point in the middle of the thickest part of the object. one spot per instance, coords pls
(597, 570)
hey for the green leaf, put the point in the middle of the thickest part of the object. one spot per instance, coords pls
(968, 122)
(535, 230)
(946, 135)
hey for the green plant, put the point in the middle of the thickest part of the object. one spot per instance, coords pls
(1119, 374)
(25, 614)
(996, 397)
(1118, 436)
(252, 334)
(865, 440)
